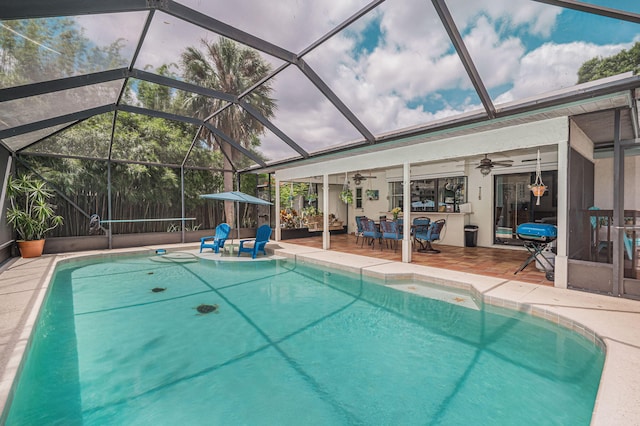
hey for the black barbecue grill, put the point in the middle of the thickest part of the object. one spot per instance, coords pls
(537, 237)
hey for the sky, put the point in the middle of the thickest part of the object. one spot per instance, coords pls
(396, 67)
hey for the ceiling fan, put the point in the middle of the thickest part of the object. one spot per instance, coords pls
(486, 164)
(358, 178)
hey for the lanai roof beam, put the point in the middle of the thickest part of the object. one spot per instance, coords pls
(49, 86)
(595, 9)
(29, 9)
(211, 24)
(55, 121)
(335, 100)
(465, 57)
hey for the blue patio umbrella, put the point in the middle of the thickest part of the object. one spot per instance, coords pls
(237, 197)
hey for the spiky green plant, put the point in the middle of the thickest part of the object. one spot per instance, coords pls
(30, 212)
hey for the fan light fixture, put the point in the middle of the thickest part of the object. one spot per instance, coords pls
(486, 164)
(358, 178)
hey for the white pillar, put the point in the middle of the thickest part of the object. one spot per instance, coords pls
(278, 227)
(326, 240)
(561, 267)
(406, 213)
(3, 192)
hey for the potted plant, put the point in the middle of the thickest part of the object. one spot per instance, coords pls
(538, 189)
(311, 195)
(395, 212)
(30, 213)
(346, 196)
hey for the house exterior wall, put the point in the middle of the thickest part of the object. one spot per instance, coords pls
(336, 207)
(603, 196)
(457, 156)
(529, 135)
(580, 141)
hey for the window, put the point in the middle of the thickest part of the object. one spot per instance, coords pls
(395, 195)
(430, 195)
(358, 198)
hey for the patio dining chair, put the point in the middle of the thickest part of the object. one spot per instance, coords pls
(370, 232)
(420, 225)
(390, 230)
(433, 234)
(359, 230)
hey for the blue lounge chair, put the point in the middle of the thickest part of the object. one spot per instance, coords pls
(216, 242)
(262, 238)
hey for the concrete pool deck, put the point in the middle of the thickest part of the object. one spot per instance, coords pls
(615, 322)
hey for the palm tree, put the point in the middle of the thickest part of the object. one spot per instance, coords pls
(228, 67)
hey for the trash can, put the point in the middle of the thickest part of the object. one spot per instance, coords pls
(470, 235)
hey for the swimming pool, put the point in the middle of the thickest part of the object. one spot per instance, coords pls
(289, 344)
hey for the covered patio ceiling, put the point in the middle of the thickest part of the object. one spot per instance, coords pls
(350, 76)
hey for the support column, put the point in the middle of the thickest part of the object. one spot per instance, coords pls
(618, 208)
(326, 237)
(109, 214)
(561, 267)
(406, 213)
(183, 232)
(3, 194)
(277, 200)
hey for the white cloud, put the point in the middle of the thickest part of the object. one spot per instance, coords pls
(496, 58)
(536, 18)
(292, 24)
(553, 66)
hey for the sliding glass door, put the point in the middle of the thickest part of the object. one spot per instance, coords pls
(515, 204)
(631, 231)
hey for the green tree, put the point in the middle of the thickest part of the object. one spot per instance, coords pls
(138, 190)
(227, 67)
(155, 96)
(42, 49)
(288, 191)
(34, 50)
(597, 68)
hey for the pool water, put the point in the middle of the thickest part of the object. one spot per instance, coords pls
(287, 345)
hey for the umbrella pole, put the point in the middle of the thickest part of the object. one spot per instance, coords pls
(238, 220)
(238, 208)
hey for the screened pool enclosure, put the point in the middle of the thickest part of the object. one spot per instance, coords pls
(131, 109)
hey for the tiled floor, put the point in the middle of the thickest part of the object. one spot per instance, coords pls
(494, 262)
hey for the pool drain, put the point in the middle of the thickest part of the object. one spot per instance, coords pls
(158, 289)
(207, 309)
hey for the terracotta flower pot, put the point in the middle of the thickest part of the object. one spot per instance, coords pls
(538, 191)
(31, 248)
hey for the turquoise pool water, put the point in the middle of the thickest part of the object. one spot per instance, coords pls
(288, 345)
